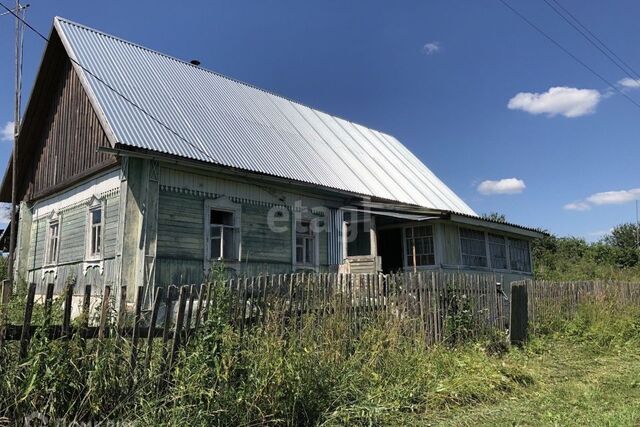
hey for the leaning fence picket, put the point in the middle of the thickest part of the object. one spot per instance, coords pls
(25, 336)
(104, 311)
(152, 327)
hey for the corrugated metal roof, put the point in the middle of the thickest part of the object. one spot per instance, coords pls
(152, 101)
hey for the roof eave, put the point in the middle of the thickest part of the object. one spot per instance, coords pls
(505, 227)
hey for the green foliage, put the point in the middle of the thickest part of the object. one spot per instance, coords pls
(615, 257)
(326, 373)
(494, 216)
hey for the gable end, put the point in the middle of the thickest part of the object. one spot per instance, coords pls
(60, 133)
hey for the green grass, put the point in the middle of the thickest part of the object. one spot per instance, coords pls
(573, 386)
(585, 371)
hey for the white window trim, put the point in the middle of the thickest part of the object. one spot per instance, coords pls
(226, 205)
(305, 216)
(95, 204)
(93, 261)
(405, 257)
(53, 218)
(316, 246)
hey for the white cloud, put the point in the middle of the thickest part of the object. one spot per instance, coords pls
(614, 197)
(501, 186)
(629, 83)
(431, 48)
(605, 198)
(567, 101)
(6, 133)
(577, 206)
(5, 213)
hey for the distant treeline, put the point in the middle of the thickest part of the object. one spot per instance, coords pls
(615, 256)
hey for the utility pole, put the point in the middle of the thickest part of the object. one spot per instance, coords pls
(637, 228)
(16, 130)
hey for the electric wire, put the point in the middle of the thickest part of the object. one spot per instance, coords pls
(569, 53)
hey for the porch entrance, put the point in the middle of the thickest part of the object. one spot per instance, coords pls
(390, 250)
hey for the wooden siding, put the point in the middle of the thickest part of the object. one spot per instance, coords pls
(180, 253)
(36, 252)
(180, 227)
(72, 235)
(259, 243)
(60, 134)
(73, 223)
(451, 244)
(67, 271)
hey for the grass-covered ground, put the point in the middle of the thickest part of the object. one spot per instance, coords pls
(573, 386)
(583, 372)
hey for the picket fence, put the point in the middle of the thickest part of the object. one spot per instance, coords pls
(554, 302)
(438, 307)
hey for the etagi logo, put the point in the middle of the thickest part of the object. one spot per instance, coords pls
(38, 419)
(280, 219)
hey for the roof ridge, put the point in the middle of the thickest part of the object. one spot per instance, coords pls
(217, 73)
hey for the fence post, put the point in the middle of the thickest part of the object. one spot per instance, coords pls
(182, 300)
(152, 327)
(135, 335)
(26, 323)
(86, 306)
(519, 313)
(4, 301)
(104, 311)
(122, 308)
(48, 301)
(66, 316)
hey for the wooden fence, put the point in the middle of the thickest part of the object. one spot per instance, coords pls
(554, 302)
(440, 307)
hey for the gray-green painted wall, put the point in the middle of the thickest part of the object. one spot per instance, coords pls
(72, 240)
(180, 256)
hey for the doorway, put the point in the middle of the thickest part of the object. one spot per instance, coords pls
(390, 250)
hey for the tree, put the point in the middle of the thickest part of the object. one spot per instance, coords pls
(494, 216)
(623, 239)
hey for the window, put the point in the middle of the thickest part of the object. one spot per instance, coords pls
(473, 248)
(498, 251)
(223, 235)
(519, 255)
(51, 256)
(305, 243)
(94, 244)
(422, 238)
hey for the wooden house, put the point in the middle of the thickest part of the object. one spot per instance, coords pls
(138, 168)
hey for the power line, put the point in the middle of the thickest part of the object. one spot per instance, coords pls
(629, 67)
(588, 35)
(114, 90)
(23, 21)
(565, 50)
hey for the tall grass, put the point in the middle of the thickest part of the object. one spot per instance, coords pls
(325, 373)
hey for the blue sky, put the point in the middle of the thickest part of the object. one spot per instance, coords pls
(466, 85)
